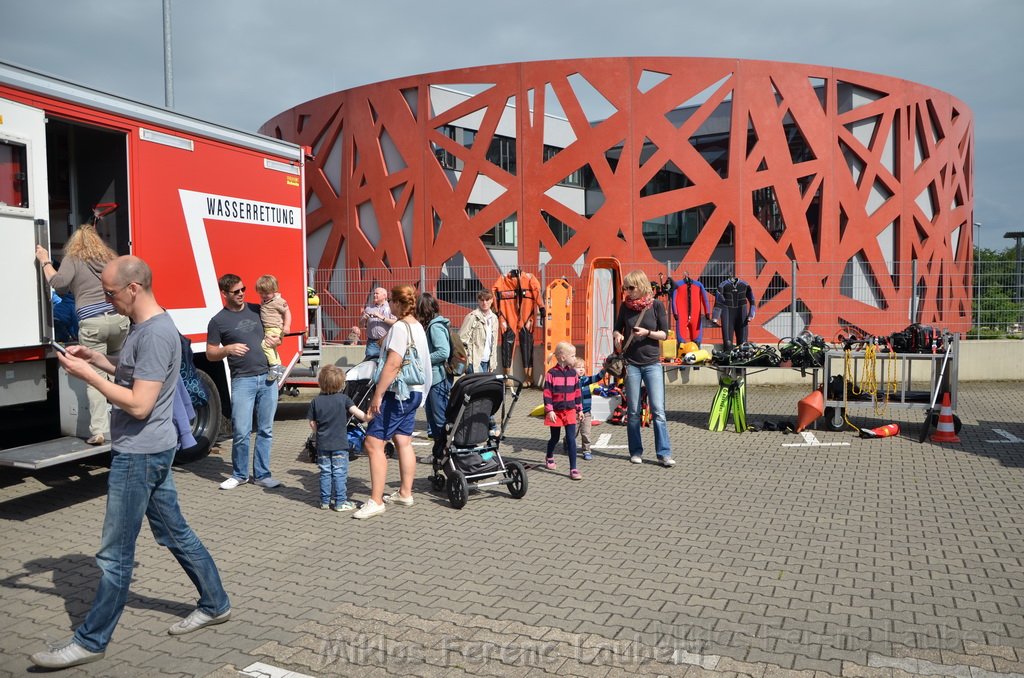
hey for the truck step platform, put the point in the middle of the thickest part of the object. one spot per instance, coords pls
(50, 453)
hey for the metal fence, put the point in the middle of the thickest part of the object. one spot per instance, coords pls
(822, 298)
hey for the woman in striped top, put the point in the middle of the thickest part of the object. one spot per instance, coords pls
(563, 405)
(100, 327)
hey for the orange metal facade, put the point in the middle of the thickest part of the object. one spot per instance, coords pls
(884, 175)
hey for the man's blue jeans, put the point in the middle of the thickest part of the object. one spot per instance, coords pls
(653, 376)
(249, 395)
(372, 350)
(143, 485)
(333, 477)
(484, 366)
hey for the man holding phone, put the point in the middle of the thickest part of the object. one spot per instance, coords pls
(140, 482)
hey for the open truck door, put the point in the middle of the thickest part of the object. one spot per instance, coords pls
(24, 215)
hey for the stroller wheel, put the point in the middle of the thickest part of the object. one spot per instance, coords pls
(458, 492)
(516, 479)
(436, 478)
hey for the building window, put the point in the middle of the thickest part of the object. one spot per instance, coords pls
(766, 209)
(668, 178)
(502, 152)
(504, 232)
(574, 179)
(559, 229)
(714, 148)
(444, 158)
(678, 229)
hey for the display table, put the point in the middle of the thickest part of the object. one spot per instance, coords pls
(851, 365)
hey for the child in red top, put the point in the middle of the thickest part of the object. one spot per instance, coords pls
(563, 404)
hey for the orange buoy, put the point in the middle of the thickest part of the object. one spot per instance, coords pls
(881, 431)
(809, 408)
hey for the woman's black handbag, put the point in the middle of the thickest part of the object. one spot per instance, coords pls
(613, 362)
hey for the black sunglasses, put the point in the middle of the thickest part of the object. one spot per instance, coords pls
(628, 288)
(240, 290)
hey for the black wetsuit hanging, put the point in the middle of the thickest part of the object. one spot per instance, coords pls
(734, 308)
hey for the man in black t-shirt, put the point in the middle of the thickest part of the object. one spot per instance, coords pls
(236, 333)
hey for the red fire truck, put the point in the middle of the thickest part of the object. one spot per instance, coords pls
(194, 199)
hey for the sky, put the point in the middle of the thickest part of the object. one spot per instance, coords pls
(241, 62)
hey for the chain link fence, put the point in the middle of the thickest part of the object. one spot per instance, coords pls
(822, 298)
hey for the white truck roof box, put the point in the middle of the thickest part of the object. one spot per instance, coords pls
(33, 81)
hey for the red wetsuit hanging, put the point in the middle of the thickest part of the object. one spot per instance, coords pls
(690, 305)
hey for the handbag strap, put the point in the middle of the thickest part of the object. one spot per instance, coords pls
(408, 336)
(639, 319)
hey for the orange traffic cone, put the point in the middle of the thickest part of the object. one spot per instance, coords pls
(881, 431)
(809, 409)
(946, 431)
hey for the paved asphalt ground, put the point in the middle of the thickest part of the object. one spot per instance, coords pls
(759, 554)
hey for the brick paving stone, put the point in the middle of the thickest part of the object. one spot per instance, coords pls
(867, 541)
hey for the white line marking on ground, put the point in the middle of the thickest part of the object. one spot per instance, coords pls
(261, 670)
(811, 441)
(602, 443)
(1010, 438)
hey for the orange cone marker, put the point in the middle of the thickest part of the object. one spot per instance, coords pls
(810, 408)
(946, 431)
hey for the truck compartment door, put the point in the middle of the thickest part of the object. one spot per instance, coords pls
(24, 213)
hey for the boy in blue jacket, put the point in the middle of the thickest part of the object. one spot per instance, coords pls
(585, 393)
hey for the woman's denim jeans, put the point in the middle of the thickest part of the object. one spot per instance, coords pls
(653, 376)
(437, 405)
(249, 395)
(333, 472)
(143, 485)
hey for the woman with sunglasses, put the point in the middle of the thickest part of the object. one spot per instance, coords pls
(646, 320)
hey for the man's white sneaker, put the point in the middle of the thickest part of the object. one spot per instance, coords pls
(369, 510)
(232, 482)
(196, 620)
(395, 498)
(62, 656)
(636, 460)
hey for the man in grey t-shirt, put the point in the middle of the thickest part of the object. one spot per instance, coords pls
(236, 333)
(140, 483)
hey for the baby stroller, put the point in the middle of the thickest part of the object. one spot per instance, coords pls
(359, 387)
(468, 453)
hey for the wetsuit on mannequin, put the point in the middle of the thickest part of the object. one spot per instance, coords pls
(734, 309)
(690, 305)
(517, 297)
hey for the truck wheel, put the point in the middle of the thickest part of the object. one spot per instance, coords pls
(205, 426)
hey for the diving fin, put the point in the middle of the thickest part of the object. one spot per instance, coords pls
(739, 412)
(720, 407)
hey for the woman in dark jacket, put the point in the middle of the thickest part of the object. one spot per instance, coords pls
(439, 342)
(645, 319)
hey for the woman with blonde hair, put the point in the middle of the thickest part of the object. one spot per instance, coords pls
(100, 327)
(392, 410)
(645, 320)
